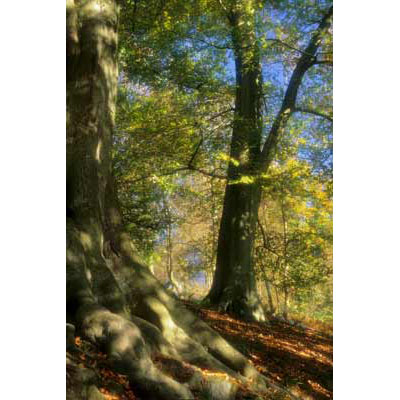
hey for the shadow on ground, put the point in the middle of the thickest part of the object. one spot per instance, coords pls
(298, 358)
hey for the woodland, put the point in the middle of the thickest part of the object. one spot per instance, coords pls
(199, 199)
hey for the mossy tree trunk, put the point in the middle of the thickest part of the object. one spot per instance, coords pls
(112, 298)
(234, 286)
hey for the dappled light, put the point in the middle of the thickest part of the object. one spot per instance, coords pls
(199, 200)
(298, 358)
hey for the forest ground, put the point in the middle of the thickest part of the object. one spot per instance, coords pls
(297, 357)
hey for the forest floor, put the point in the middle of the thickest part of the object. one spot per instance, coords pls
(295, 357)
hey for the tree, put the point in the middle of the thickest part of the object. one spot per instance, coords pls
(234, 286)
(234, 281)
(112, 297)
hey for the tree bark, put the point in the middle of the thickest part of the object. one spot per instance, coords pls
(234, 285)
(285, 302)
(267, 284)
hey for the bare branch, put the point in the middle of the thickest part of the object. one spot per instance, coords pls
(314, 112)
(190, 163)
(206, 173)
(217, 46)
(230, 109)
(289, 46)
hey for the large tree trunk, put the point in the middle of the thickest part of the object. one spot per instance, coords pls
(112, 298)
(234, 285)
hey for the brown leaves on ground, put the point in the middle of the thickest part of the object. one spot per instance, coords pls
(301, 359)
(182, 372)
(111, 385)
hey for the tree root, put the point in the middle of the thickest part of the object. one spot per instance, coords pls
(140, 320)
(128, 354)
(194, 340)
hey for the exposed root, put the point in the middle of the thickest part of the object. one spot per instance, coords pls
(140, 319)
(127, 352)
(177, 324)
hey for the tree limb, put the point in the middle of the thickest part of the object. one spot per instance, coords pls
(217, 46)
(314, 112)
(289, 46)
(181, 169)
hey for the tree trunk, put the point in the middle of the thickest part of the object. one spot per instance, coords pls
(174, 285)
(267, 284)
(269, 293)
(112, 298)
(278, 304)
(234, 286)
(285, 302)
(91, 93)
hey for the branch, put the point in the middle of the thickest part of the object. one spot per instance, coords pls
(314, 112)
(262, 232)
(264, 237)
(171, 172)
(306, 60)
(285, 44)
(181, 169)
(190, 163)
(324, 62)
(206, 173)
(195, 38)
(217, 46)
(215, 116)
(191, 167)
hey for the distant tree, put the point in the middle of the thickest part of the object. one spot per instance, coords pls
(293, 244)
